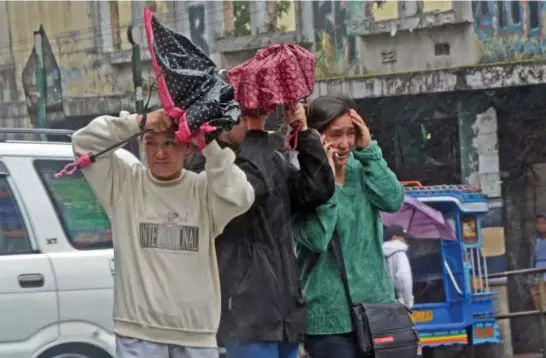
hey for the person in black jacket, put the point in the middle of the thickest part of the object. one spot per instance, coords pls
(262, 303)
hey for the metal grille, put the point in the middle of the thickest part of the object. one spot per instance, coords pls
(478, 270)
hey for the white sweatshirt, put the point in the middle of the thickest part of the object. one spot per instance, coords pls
(399, 269)
(166, 286)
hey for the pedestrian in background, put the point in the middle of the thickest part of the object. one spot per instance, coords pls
(395, 250)
(538, 258)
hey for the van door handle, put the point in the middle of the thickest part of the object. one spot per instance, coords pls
(31, 280)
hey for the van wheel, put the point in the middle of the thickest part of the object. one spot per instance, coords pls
(75, 350)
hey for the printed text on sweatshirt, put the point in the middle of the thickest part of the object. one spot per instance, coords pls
(166, 286)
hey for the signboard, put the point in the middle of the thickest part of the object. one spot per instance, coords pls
(422, 316)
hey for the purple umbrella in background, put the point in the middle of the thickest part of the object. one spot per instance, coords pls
(420, 220)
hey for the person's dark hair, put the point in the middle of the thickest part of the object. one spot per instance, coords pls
(325, 109)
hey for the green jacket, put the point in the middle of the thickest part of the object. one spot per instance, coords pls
(370, 187)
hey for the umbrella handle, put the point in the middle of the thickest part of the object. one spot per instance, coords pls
(291, 140)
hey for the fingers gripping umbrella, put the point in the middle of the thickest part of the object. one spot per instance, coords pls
(420, 220)
(191, 91)
(277, 75)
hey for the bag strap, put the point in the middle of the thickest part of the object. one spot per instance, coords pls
(338, 253)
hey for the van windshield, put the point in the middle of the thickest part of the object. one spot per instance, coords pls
(85, 223)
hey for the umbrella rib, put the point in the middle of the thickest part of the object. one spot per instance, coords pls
(411, 218)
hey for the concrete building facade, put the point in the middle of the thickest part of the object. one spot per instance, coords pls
(451, 89)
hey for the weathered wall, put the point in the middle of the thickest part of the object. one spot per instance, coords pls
(88, 56)
(401, 36)
(335, 50)
(509, 31)
(69, 31)
(86, 52)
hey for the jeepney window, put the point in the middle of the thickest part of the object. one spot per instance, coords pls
(85, 223)
(427, 269)
(14, 237)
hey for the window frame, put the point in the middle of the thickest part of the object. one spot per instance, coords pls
(60, 216)
(534, 31)
(22, 212)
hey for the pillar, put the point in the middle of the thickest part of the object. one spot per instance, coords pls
(469, 156)
(478, 141)
(258, 17)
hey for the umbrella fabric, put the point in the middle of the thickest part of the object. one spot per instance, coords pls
(277, 75)
(190, 90)
(420, 220)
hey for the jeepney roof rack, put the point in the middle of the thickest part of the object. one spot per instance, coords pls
(417, 186)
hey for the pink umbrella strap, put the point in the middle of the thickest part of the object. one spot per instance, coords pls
(291, 140)
(183, 134)
(83, 161)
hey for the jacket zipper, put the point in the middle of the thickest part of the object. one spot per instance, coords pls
(285, 281)
(238, 286)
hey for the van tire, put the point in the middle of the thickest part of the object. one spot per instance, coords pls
(82, 349)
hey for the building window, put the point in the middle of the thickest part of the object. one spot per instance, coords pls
(409, 8)
(85, 223)
(484, 8)
(388, 56)
(442, 49)
(534, 14)
(114, 21)
(482, 14)
(501, 6)
(515, 12)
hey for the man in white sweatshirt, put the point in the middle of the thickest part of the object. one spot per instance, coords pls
(164, 221)
(395, 250)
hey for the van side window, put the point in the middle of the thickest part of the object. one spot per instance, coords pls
(13, 232)
(85, 223)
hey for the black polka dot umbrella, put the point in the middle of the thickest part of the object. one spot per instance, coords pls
(191, 91)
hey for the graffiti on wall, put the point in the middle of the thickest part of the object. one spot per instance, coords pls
(198, 29)
(509, 31)
(54, 96)
(369, 17)
(336, 50)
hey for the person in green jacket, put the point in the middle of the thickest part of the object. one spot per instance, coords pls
(365, 186)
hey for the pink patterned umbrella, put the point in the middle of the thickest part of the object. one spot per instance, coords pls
(278, 74)
(420, 221)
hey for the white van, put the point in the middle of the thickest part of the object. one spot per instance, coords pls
(56, 256)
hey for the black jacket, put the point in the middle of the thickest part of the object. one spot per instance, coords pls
(261, 295)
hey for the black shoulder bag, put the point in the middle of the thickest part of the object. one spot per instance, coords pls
(383, 330)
